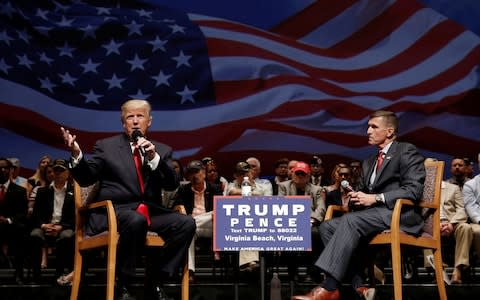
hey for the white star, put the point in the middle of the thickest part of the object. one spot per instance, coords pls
(182, 59)
(144, 13)
(3, 66)
(45, 58)
(177, 28)
(134, 28)
(65, 22)
(59, 7)
(137, 63)
(112, 47)
(23, 35)
(103, 10)
(8, 10)
(139, 95)
(187, 95)
(66, 78)
(66, 50)
(24, 61)
(90, 66)
(89, 31)
(43, 30)
(42, 14)
(91, 97)
(158, 44)
(5, 38)
(161, 78)
(46, 84)
(115, 82)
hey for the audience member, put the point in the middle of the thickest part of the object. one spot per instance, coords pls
(291, 165)
(197, 197)
(38, 178)
(213, 175)
(54, 222)
(300, 185)
(471, 198)
(48, 174)
(317, 170)
(281, 174)
(261, 187)
(335, 194)
(356, 177)
(397, 171)
(459, 172)
(13, 213)
(15, 174)
(132, 171)
(168, 196)
(468, 167)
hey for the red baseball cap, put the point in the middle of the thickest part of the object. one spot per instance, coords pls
(302, 167)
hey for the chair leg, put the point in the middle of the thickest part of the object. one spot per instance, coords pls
(437, 258)
(111, 262)
(77, 274)
(397, 271)
(185, 281)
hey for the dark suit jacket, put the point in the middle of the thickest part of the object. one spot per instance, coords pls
(43, 209)
(186, 197)
(401, 176)
(15, 204)
(112, 165)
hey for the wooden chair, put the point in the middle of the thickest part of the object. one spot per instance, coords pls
(430, 237)
(108, 240)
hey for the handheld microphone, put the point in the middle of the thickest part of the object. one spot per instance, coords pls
(136, 134)
(346, 185)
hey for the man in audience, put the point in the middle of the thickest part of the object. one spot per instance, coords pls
(281, 174)
(356, 178)
(459, 172)
(396, 171)
(54, 221)
(15, 174)
(262, 187)
(13, 214)
(316, 167)
(300, 185)
(197, 197)
(471, 198)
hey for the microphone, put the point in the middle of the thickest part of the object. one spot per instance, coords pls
(136, 134)
(346, 186)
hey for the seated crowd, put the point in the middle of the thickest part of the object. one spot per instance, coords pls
(37, 213)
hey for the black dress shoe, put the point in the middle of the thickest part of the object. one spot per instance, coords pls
(124, 294)
(158, 293)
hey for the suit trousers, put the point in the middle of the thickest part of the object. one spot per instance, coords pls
(204, 229)
(345, 238)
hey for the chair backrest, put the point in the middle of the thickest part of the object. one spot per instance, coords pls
(431, 195)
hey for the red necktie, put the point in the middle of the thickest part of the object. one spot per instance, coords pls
(380, 160)
(137, 158)
(2, 193)
(142, 207)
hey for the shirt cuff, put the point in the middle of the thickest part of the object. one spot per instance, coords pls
(75, 161)
(154, 162)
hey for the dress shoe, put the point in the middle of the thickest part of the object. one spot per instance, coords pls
(456, 276)
(124, 294)
(366, 293)
(319, 293)
(158, 293)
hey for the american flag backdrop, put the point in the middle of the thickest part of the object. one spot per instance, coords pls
(229, 90)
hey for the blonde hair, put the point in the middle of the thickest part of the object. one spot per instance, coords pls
(134, 104)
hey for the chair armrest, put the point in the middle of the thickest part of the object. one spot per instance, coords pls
(110, 212)
(397, 211)
(334, 208)
(180, 209)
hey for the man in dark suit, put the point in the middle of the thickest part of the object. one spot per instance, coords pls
(397, 172)
(13, 214)
(132, 180)
(54, 220)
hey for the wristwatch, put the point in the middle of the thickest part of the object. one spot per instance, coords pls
(378, 199)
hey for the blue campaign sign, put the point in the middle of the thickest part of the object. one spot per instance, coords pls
(262, 223)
